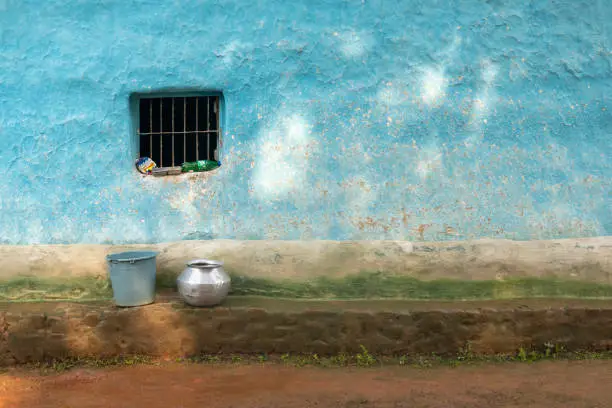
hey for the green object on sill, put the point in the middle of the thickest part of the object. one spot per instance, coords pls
(200, 165)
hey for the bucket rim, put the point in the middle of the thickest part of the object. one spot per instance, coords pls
(135, 256)
(204, 263)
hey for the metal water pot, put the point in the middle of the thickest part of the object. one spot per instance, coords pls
(203, 283)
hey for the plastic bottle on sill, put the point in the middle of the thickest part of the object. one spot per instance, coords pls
(200, 165)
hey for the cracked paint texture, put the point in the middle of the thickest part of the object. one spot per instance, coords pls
(354, 119)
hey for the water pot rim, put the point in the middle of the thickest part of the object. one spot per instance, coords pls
(204, 263)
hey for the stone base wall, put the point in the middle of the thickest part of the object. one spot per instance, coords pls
(587, 259)
(37, 332)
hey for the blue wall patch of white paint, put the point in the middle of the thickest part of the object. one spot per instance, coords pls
(346, 120)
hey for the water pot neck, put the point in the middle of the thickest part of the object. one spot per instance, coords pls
(204, 264)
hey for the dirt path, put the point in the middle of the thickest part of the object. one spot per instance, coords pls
(546, 384)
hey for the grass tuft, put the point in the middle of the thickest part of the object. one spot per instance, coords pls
(362, 359)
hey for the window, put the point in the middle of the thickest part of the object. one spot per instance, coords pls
(174, 130)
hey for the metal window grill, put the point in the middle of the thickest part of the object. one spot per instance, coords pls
(174, 130)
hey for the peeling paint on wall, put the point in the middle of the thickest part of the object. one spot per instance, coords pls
(345, 120)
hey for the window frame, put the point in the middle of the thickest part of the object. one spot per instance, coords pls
(135, 100)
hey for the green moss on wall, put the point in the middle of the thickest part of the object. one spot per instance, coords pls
(381, 285)
(33, 288)
(360, 286)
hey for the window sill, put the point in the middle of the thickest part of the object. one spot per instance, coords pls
(176, 172)
(167, 171)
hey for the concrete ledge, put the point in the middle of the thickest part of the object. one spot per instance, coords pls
(31, 332)
(585, 259)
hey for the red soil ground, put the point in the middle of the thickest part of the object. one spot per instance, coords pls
(545, 384)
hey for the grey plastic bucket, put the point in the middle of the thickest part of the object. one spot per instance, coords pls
(132, 277)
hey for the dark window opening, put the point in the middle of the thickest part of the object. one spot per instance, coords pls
(174, 130)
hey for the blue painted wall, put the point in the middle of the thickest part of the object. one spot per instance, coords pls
(355, 119)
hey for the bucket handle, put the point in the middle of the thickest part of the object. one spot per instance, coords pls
(131, 260)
